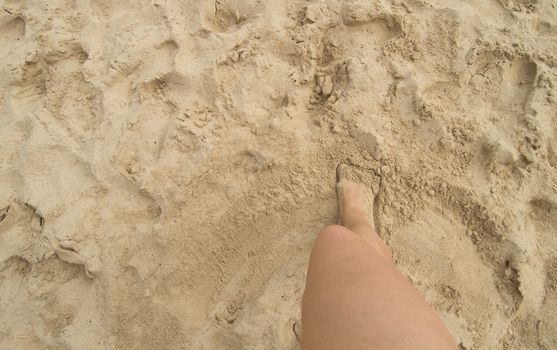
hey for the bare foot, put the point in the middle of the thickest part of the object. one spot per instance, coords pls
(355, 201)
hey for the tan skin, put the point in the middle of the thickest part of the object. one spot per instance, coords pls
(355, 298)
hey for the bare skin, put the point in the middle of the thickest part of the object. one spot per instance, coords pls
(355, 298)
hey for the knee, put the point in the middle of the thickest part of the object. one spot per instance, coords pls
(334, 246)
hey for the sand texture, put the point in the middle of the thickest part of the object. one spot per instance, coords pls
(165, 165)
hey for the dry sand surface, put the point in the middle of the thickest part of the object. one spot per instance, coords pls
(165, 165)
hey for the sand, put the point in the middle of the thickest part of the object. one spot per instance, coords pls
(166, 165)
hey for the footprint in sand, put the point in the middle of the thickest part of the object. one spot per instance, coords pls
(544, 214)
(366, 38)
(510, 80)
(228, 15)
(12, 29)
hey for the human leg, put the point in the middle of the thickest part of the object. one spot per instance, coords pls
(355, 298)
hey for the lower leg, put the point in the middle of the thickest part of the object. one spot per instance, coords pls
(356, 299)
(355, 214)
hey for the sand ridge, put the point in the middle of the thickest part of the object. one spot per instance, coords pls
(166, 165)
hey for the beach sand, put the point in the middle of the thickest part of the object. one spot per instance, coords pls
(166, 165)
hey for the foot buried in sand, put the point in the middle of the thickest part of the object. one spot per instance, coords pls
(356, 199)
